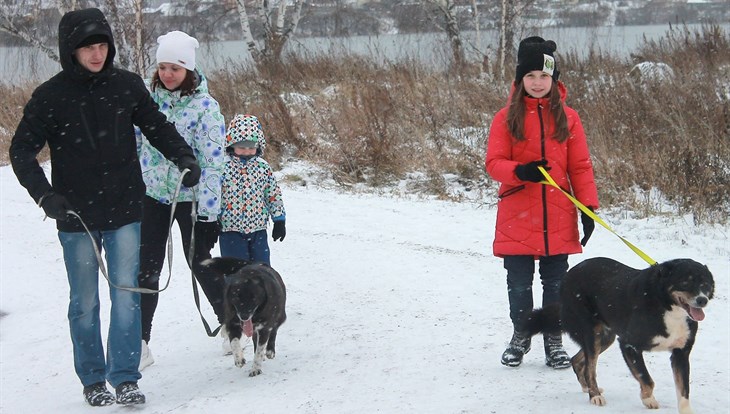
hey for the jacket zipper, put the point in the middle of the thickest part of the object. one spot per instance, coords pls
(544, 187)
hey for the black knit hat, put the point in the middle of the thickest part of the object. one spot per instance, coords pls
(92, 40)
(536, 53)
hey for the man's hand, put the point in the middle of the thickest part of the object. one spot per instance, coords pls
(56, 206)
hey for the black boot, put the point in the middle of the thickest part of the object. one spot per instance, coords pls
(97, 395)
(128, 393)
(518, 347)
(555, 355)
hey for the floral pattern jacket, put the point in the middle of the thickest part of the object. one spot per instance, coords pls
(198, 119)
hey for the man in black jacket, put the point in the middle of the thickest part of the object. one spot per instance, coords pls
(86, 114)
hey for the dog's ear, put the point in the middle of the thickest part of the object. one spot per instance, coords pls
(660, 283)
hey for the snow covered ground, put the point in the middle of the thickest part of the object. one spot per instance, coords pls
(395, 305)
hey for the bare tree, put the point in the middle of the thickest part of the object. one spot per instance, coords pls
(277, 29)
(506, 36)
(475, 15)
(20, 20)
(445, 10)
(24, 20)
(279, 23)
(509, 22)
(131, 38)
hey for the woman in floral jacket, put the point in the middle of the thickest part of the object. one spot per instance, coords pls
(181, 92)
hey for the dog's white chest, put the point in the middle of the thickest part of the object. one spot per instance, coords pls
(677, 328)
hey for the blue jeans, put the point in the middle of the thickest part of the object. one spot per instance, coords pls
(125, 333)
(252, 247)
(520, 271)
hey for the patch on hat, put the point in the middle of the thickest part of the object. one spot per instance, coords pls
(536, 53)
(548, 65)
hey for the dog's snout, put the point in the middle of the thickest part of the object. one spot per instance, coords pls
(701, 301)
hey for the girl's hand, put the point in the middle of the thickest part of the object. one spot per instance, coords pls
(530, 172)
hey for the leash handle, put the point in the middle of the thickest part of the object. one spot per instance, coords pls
(549, 181)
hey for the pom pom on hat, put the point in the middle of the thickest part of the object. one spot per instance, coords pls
(536, 53)
(177, 47)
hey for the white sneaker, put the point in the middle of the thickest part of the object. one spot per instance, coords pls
(145, 359)
(226, 346)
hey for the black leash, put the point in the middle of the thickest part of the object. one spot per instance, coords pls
(191, 253)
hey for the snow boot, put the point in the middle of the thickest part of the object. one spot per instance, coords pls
(128, 393)
(97, 395)
(555, 355)
(145, 358)
(517, 348)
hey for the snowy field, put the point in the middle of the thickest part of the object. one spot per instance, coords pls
(395, 305)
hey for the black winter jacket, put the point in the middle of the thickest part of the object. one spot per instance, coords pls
(87, 119)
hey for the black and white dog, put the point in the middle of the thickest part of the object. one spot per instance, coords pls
(655, 309)
(254, 297)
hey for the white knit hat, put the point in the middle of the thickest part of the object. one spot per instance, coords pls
(177, 47)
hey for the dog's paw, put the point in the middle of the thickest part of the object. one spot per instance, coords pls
(650, 402)
(684, 407)
(254, 372)
(270, 354)
(598, 400)
(239, 359)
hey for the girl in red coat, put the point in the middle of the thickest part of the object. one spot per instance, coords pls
(536, 221)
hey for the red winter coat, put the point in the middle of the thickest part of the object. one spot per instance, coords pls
(532, 218)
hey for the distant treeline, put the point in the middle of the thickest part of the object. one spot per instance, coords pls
(218, 20)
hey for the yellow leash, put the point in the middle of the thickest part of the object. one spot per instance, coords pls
(586, 210)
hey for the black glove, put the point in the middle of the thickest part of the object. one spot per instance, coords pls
(529, 171)
(588, 226)
(192, 177)
(279, 231)
(207, 232)
(55, 206)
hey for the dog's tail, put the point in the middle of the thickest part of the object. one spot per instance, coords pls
(225, 265)
(545, 320)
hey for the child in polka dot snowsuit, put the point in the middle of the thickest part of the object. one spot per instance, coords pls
(250, 194)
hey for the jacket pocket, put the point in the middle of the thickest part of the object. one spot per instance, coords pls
(511, 191)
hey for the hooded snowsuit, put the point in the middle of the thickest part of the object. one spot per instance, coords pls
(250, 192)
(87, 121)
(534, 219)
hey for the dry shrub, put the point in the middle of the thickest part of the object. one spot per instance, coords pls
(366, 122)
(665, 134)
(11, 110)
